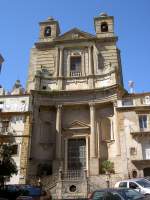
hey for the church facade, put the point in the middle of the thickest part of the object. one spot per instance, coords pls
(80, 113)
(75, 79)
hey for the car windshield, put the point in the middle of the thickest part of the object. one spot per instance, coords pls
(132, 194)
(98, 195)
(144, 183)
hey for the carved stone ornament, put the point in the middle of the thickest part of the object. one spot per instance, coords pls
(75, 35)
(76, 52)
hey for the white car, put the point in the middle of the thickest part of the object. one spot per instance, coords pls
(139, 184)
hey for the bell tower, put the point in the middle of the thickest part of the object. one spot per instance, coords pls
(49, 29)
(104, 25)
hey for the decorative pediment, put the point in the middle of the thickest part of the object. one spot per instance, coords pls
(76, 125)
(75, 34)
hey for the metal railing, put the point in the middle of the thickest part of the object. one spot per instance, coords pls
(73, 175)
(72, 73)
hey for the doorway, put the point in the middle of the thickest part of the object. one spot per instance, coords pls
(146, 171)
(76, 154)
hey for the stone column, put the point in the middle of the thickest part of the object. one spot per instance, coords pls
(93, 134)
(94, 161)
(57, 163)
(58, 132)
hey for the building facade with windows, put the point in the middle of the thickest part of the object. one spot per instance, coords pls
(134, 129)
(14, 128)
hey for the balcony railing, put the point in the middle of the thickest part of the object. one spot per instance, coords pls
(139, 131)
(73, 73)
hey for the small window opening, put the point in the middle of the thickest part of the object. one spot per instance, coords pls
(143, 122)
(104, 27)
(44, 87)
(72, 188)
(47, 31)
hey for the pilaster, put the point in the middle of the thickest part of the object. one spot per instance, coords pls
(25, 151)
(60, 61)
(57, 62)
(91, 77)
(116, 131)
(60, 74)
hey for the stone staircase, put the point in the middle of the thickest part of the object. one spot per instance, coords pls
(66, 185)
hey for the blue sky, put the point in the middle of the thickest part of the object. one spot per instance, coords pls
(19, 30)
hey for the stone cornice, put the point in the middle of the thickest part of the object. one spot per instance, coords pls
(14, 95)
(15, 113)
(80, 97)
(75, 77)
(12, 135)
(138, 109)
(41, 45)
(60, 92)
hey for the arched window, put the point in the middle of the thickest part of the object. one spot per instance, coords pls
(47, 31)
(106, 129)
(104, 27)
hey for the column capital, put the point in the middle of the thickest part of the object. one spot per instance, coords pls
(61, 48)
(92, 104)
(90, 46)
(115, 103)
(59, 106)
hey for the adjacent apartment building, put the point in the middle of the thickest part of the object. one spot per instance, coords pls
(14, 127)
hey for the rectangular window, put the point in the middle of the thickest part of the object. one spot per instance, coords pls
(133, 151)
(14, 149)
(4, 125)
(1, 105)
(127, 102)
(75, 63)
(147, 154)
(143, 122)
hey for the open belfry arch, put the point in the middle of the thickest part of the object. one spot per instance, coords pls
(75, 79)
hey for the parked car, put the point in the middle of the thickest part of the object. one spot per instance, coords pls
(117, 194)
(25, 189)
(24, 198)
(139, 184)
(3, 198)
(147, 178)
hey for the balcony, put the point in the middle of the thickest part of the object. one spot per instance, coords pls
(140, 132)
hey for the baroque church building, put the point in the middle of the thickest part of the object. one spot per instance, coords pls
(75, 80)
(80, 115)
